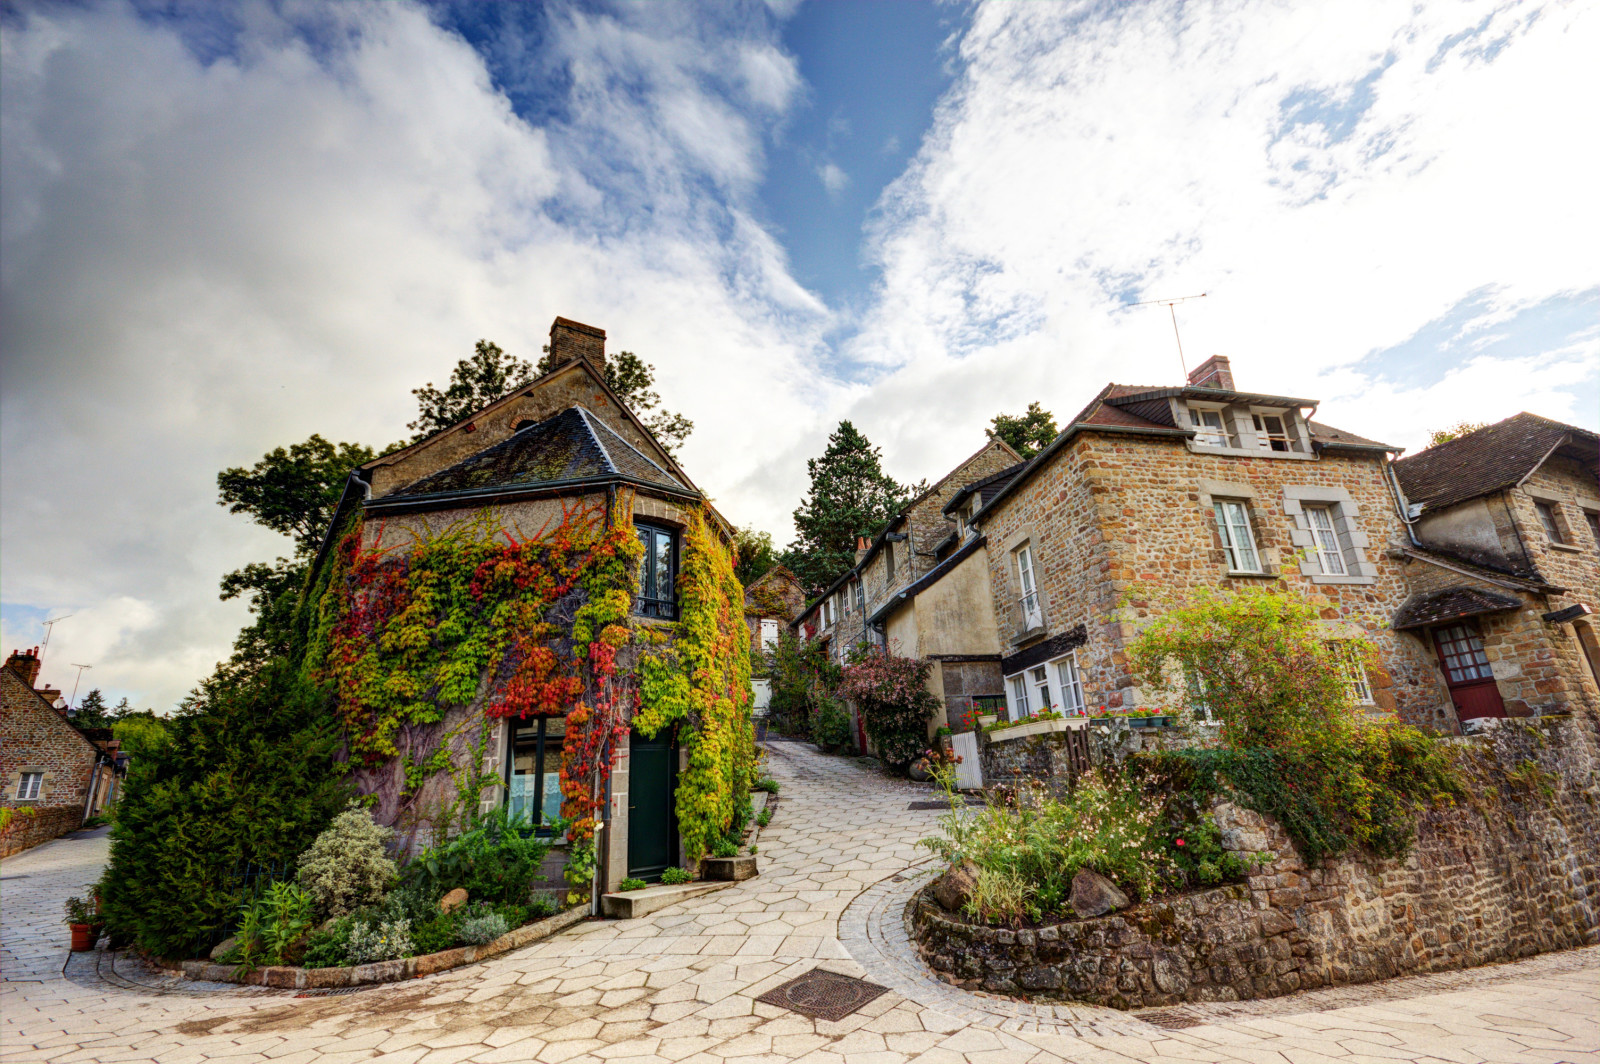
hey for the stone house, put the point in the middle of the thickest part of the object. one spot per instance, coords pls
(912, 545)
(498, 607)
(1153, 491)
(1503, 565)
(771, 601)
(49, 771)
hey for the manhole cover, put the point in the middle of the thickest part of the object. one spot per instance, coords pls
(823, 995)
(1171, 1019)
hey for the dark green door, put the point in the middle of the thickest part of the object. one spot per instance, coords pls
(652, 820)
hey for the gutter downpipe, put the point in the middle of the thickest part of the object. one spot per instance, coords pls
(1398, 495)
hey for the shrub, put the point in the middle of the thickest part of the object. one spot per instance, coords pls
(764, 817)
(495, 860)
(892, 695)
(632, 884)
(247, 777)
(802, 680)
(724, 847)
(831, 726)
(347, 867)
(481, 930)
(674, 876)
(379, 940)
(768, 784)
(330, 948)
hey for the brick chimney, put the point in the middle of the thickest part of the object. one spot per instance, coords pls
(572, 340)
(25, 663)
(863, 545)
(1214, 372)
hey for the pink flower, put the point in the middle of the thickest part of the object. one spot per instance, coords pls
(1180, 842)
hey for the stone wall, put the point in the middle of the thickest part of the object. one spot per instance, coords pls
(1513, 872)
(34, 737)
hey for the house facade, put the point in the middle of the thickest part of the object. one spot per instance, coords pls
(1503, 566)
(48, 768)
(771, 602)
(508, 610)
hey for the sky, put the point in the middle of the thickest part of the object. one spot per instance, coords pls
(226, 227)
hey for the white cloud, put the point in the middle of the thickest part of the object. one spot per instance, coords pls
(204, 259)
(834, 179)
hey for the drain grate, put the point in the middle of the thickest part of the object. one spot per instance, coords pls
(823, 995)
(1171, 1019)
(972, 803)
(334, 991)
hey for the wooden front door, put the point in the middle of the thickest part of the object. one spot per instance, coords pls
(652, 810)
(1466, 670)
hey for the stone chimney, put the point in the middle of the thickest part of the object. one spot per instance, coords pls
(25, 663)
(571, 341)
(1214, 372)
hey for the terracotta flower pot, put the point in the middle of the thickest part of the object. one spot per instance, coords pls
(82, 938)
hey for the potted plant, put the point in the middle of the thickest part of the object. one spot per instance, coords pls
(82, 917)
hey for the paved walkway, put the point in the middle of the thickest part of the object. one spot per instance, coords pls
(680, 985)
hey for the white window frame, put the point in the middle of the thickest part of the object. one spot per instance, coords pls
(1043, 689)
(1028, 584)
(768, 633)
(1265, 437)
(1069, 685)
(1210, 435)
(1355, 674)
(1233, 515)
(1199, 704)
(25, 793)
(1325, 548)
(1016, 696)
(827, 612)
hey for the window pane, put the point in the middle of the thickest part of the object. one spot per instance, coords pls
(1462, 653)
(1071, 686)
(647, 568)
(1547, 518)
(663, 560)
(1041, 689)
(1019, 698)
(1327, 540)
(1233, 521)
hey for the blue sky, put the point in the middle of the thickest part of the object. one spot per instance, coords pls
(226, 227)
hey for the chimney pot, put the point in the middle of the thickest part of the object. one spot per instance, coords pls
(1214, 372)
(25, 664)
(571, 341)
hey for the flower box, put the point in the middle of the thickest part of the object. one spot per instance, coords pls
(1159, 721)
(1038, 727)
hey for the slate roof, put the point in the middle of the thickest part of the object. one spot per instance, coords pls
(1492, 459)
(1453, 603)
(573, 445)
(986, 488)
(1495, 571)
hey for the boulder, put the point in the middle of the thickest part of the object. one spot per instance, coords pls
(920, 770)
(453, 900)
(1095, 895)
(223, 948)
(952, 889)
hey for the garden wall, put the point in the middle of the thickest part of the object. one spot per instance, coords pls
(1513, 872)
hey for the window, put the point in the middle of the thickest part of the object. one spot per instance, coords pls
(1039, 680)
(1208, 427)
(1547, 518)
(1594, 525)
(827, 612)
(1270, 433)
(859, 595)
(536, 771)
(658, 587)
(1200, 700)
(769, 633)
(28, 789)
(1462, 651)
(1233, 522)
(888, 563)
(1069, 685)
(1355, 673)
(1325, 540)
(1032, 617)
(1019, 697)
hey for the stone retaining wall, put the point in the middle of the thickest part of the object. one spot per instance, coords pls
(25, 831)
(1513, 872)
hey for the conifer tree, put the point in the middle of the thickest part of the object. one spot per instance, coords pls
(850, 496)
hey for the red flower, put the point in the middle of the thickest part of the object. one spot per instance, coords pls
(1180, 842)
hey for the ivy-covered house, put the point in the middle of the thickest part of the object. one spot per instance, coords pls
(536, 608)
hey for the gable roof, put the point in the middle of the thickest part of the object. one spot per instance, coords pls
(985, 489)
(1144, 410)
(10, 677)
(572, 447)
(1494, 458)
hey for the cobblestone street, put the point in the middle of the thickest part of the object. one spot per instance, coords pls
(837, 865)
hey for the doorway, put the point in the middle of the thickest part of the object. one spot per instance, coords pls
(1466, 671)
(652, 805)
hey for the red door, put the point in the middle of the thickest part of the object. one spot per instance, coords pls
(1466, 670)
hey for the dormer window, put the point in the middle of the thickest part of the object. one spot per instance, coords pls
(1208, 428)
(1270, 432)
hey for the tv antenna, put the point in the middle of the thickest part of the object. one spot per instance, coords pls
(49, 627)
(74, 701)
(1170, 304)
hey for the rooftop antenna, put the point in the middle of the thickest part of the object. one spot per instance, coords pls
(74, 701)
(49, 626)
(1170, 304)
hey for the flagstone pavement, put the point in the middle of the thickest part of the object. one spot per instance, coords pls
(837, 864)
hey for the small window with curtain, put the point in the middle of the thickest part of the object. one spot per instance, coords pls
(535, 794)
(1233, 524)
(658, 573)
(1325, 540)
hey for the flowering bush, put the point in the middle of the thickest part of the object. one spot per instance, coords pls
(347, 867)
(380, 940)
(892, 694)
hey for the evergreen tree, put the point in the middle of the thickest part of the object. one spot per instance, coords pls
(1029, 433)
(90, 712)
(475, 383)
(633, 379)
(850, 496)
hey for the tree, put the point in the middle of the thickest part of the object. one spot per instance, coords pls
(1028, 434)
(293, 490)
(91, 711)
(475, 383)
(633, 379)
(141, 734)
(850, 496)
(756, 554)
(1455, 432)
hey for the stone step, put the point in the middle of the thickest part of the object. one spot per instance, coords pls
(632, 904)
